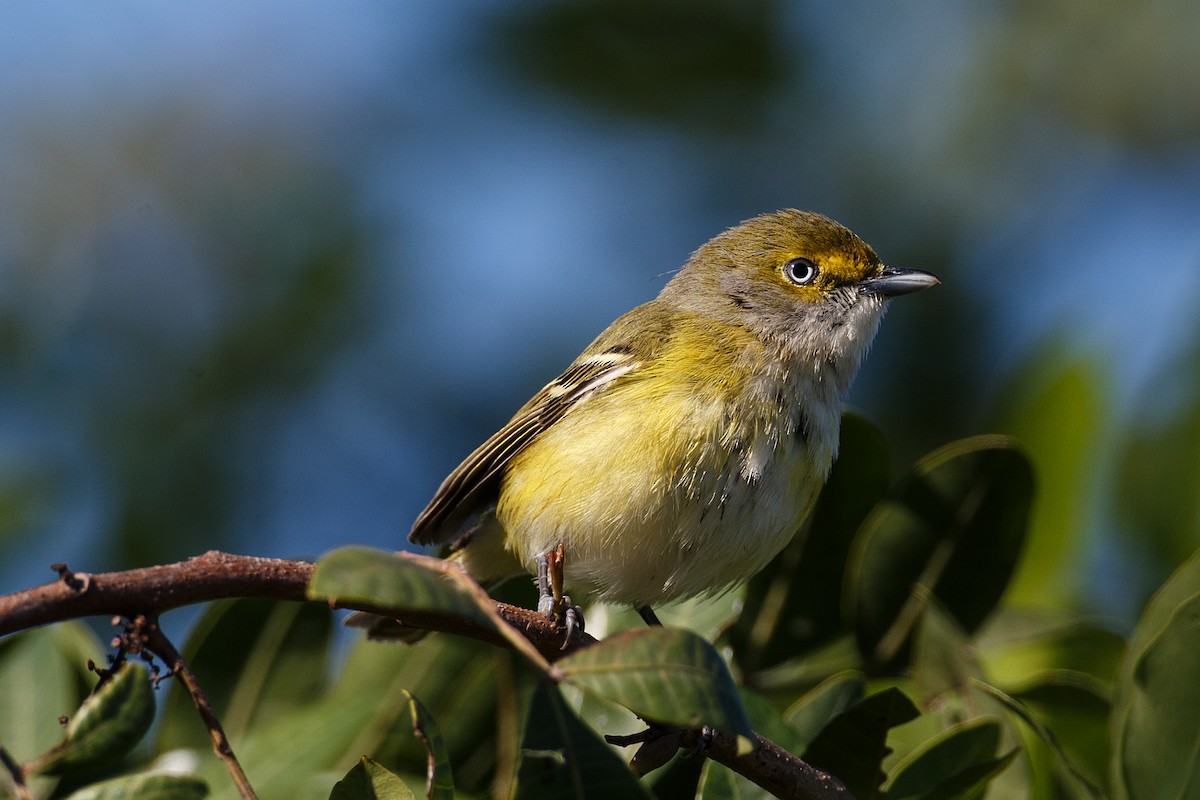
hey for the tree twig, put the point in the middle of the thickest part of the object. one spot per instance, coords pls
(146, 630)
(151, 591)
(18, 775)
(217, 576)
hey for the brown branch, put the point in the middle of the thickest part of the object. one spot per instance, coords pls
(770, 766)
(218, 576)
(17, 773)
(150, 635)
(151, 591)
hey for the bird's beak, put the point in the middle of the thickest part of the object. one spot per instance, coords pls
(893, 281)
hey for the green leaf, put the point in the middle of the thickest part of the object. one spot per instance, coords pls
(679, 779)
(668, 675)
(811, 713)
(943, 661)
(1017, 643)
(1059, 414)
(370, 780)
(145, 787)
(457, 680)
(384, 579)
(787, 611)
(42, 678)
(853, 745)
(283, 755)
(958, 763)
(1075, 706)
(1159, 613)
(367, 711)
(952, 530)
(1160, 458)
(718, 782)
(1079, 784)
(1160, 738)
(440, 778)
(106, 726)
(562, 758)
(257, 659)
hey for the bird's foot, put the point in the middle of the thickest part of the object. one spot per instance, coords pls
(552, 602)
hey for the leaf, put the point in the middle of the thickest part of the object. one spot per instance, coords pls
(952, 530)
(440, 780)
(668, 675)
(256, 659)
(811, 713)
(384, 579)
(153, 786)
(1160, 458)
(1017, 643)
(367, 712)
(1080, 783)
(853, 745)
(788, 609)
(718, 782)
(561, 757)
(1159, 735)
(106, 726)
(1075, 706)
(42, 678)
(943, 661)
(958, 763)
(679, 779)
(370, 780)
(1159, 613)
(457, 680)
(1059, 414)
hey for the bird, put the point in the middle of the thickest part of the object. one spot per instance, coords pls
(686, 445)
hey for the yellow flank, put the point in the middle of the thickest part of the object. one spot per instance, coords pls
(676, 481)
(686, 445)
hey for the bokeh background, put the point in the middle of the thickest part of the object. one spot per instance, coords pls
(269, 270)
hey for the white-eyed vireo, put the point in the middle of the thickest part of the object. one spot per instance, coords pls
(685, 446)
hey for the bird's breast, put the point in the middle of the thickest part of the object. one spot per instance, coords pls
(668, 494)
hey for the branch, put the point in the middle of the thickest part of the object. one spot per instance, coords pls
(220, 576)
(149, 636)
(16, 773)
(151, 591)
(779, 772)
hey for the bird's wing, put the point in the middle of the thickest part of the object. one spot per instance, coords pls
(474, 483)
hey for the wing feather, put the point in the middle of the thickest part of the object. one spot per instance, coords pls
(476, 479)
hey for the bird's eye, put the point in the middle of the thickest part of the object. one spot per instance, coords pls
(800, 271)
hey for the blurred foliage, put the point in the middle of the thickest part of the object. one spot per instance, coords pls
(973, 695)
(178, 362)
(711, 65)
(181, 267)
(1094, 63)
(1160, 459)
(1056, 412)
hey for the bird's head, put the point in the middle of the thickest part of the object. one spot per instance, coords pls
(798, 280)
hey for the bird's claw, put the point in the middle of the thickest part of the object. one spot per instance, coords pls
(552, 603)
(573, 619)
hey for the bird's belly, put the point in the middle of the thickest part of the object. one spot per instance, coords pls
(644, 523)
